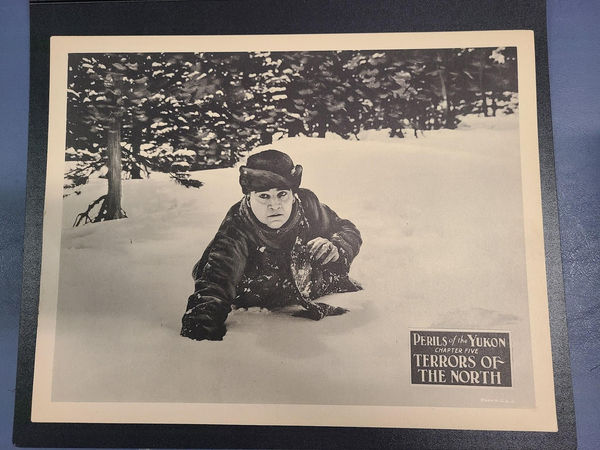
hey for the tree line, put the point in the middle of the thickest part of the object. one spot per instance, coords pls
(131, 114)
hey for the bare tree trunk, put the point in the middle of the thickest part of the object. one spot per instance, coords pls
(445, 103)
(136, 141)
(321, 124)
(113, 199)
(484, 107)
(494, 105)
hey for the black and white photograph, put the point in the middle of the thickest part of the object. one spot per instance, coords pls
(339, 230)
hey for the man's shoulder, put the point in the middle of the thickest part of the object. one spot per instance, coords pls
(312, 207)
(307, 196)
(234, 210)
(234, 225)
(233, 216)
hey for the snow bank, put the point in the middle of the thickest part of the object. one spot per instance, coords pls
(441, 219)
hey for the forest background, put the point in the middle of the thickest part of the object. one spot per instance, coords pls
(129, 115)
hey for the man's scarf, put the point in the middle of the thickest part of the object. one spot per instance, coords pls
(275, 238)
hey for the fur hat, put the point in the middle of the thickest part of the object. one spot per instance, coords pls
(270, 169)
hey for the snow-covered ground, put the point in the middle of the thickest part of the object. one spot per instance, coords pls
(441, 219)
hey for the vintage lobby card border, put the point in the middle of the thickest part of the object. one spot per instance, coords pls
(312, 16)
(540, 418)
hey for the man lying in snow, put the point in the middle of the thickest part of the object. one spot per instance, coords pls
(278, 246)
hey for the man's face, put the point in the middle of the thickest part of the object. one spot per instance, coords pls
(272, 207)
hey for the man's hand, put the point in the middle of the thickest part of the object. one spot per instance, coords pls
(319, 311)
(200, 325)
(323, 251)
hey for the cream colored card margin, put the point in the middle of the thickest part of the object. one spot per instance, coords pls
(540, 418)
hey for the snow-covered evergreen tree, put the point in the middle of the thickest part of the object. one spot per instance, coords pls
(132, 114)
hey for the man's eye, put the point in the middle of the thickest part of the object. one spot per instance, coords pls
(263, 196)
(282, 194)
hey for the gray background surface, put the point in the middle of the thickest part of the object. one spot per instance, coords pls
(574, 41)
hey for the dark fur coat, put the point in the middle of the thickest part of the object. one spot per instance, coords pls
(248, 264)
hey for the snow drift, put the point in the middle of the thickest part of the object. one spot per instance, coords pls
(442, 224)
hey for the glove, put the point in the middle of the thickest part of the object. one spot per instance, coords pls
(204, 321)
(202, 326)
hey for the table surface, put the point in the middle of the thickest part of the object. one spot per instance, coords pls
(574, 56)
